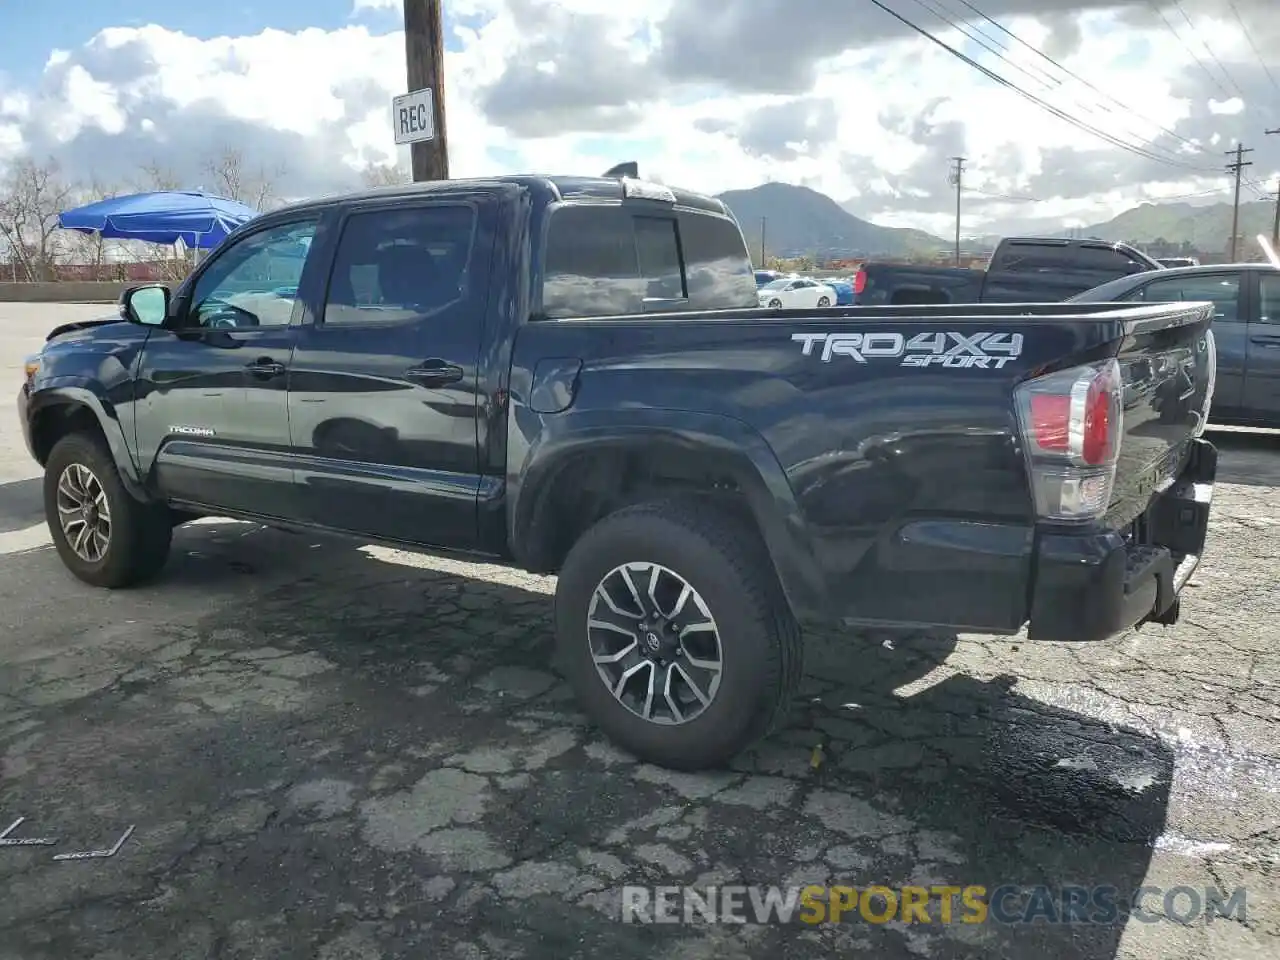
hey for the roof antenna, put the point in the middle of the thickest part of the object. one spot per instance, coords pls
(629, 169)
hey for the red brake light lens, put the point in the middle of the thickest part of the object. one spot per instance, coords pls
(1098, 434)
(1050, 421)
(859, 281)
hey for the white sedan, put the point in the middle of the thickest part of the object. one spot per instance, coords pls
(791, 293)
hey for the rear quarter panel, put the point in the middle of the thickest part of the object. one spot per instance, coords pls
(893, 470)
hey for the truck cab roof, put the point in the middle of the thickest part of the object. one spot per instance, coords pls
(547, 189)
(1076, 243)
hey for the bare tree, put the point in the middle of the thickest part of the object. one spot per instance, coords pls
(231, 178)
(171, 264)
(153, 176)
(31, 197)
(90, 249)
(385, 175)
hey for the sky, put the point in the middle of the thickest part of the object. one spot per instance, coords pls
(1069, 112)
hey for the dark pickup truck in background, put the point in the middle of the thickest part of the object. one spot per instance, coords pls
(1246, 330)
(572, 376)
(1022, 270)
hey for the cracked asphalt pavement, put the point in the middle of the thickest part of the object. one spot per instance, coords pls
(352, 752)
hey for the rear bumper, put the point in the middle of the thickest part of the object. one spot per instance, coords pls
(1092, 586)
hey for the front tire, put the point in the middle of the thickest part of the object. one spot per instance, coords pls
(775, 304)
(824, 301)
(103, 535)
(675, 635)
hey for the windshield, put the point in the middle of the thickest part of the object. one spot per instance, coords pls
(775, 285)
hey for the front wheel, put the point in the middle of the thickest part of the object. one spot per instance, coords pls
(775, 303)
(103, 535)
(824, 301)
(675, 634)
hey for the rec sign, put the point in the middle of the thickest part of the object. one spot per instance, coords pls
(413, 116)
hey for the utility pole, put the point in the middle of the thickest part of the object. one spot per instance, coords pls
(424, 57)
(957, 177)
(1275, 228)
(1237, 168)
(764, 262)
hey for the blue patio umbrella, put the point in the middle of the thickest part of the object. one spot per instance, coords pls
(200, 220)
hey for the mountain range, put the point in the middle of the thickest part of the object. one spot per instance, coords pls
(1207, 228)
(798, 221)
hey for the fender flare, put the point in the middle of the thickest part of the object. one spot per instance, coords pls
(77, 395)
(740, 451)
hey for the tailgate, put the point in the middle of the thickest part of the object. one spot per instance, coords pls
(1121, 481)
(1168, 375)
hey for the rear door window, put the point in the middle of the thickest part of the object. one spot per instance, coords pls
(400, 264)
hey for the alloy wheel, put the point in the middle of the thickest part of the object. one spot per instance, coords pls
(654, 643)
(84, 513)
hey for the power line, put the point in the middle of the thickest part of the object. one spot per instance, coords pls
(1253, 46)
(1102, 93)
(1215, 192)
(1044, 78)
(1194, 56)
(1208, 49)
(1062, 115)
(1002, 196)
(964, 29)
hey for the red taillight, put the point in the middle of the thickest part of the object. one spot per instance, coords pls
(1071, 423)
(1099, 435)
(859, 281)
(1050, 418)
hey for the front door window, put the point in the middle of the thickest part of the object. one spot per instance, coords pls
(254, 282)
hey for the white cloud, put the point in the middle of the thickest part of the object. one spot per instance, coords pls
(881, 119)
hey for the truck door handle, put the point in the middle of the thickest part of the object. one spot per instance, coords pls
(434, 373)
(1266, 340)
(265, 367)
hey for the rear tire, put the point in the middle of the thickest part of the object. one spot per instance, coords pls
(731, 580)
(824, 301)
(103, 535)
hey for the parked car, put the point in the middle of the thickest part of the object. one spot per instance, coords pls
(1178, 261)
(796, 293)
(1022, 270)
(572, 376)
(844, 291)
(1246, 326)
(766, 276)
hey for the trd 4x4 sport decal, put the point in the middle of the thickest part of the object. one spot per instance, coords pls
(987, 351)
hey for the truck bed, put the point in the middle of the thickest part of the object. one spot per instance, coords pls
(893, 463)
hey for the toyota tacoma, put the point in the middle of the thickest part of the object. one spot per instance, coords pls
(572, 375)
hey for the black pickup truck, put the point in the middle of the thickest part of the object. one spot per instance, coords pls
(1022, 270)
(572, 376)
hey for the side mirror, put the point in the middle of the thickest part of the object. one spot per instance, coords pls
(147, 305)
